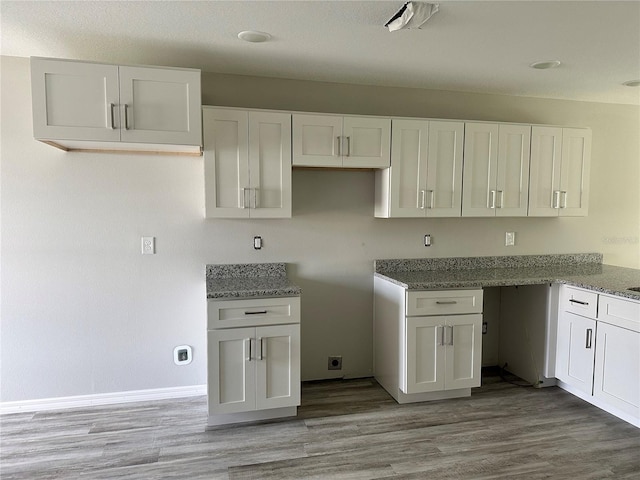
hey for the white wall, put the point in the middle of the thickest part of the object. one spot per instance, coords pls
(84, 312)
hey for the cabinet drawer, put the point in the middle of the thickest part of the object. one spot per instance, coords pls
(579, 301)
(619, 312)
(252, 312)
(443, 302)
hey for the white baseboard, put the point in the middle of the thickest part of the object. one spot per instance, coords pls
(79, 401)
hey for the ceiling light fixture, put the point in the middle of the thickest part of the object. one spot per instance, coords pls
(632, 83)
(546, 65)
(253, 36)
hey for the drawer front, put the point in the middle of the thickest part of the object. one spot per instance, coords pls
(579, 301)
(252, 312)
(443, 302)
(619, 312)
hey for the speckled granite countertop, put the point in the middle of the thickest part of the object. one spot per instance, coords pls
(581, 270)
(249, 280)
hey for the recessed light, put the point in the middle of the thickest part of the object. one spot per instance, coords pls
(632, 83)
(546, 65)
(253, 36)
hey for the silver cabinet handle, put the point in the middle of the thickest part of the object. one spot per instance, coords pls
(430, 204)
(451, 327)
(244, 197)
(261, 348)
(247, 348)
(112, 120)
(579, 302)
(563, 199)
(589, 337)
(255, 198)
(339, 137)
(423, 199)
(259, 312)
(492, 202)
(126, 116)
(501, 198)
(441, 336)
(556, 199)
(446, 302)
(348, 147)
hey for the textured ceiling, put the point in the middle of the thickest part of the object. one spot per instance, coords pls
(476, 46)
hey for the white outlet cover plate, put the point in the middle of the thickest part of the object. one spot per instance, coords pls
(510, 239)
(148, 245)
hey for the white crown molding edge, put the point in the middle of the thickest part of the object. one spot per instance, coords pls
(79, 401)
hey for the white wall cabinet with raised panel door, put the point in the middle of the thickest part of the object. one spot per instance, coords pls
(598, 350)
(560, 171)
(253, 371)
(496, 170)
(425, 177)
(427, 344)
(247, 163)
(82, 105)
(341, 141)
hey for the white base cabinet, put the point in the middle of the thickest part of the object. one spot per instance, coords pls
(427, 344)
(92, 106)
(253, 372)
(598, 351)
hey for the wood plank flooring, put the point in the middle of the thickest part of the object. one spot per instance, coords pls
(345, 430)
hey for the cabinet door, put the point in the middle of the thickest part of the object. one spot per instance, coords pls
(512, 183)
(366, 142)
(480, 164)
(270, 164)
(425, 355)
(278, 366)
(408, 176)
(546, 160)
(575, 351)
(617, 368)
(444, 169)
(75, 100)
(463, 341)
(231, 371)
(160, 105)
(226, 163)
(574, 179)
(316, 140)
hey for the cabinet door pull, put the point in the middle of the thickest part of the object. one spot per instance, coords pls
(244, 197)
(255, 198)
(563, 203)
(126, 116)
(446, 302)
(441, 336)
(348, 146)
(556, 199)
(257, 312)
(589, 337)
(247, 348)
(579, 302)
(430, 204)
(339, 154)
(492, 202)
(501, 199)
(423, 199)
(112, 106)
(260, 346)
(451, 341)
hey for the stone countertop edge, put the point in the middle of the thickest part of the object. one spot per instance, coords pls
(253, 280)
(607, 279)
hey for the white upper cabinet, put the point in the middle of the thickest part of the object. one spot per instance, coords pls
(560, 166)
(247, 163)
(425, 178)
(496, 170)
(76, 103)
(336, 141)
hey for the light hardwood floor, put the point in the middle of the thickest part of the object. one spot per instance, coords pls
(345, 430)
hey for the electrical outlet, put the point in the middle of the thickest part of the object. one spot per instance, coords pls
(257, 243)
(182, 355)
(484, 328)
(148, 245)
(510, 239)
(427, 240)
(335, 362)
